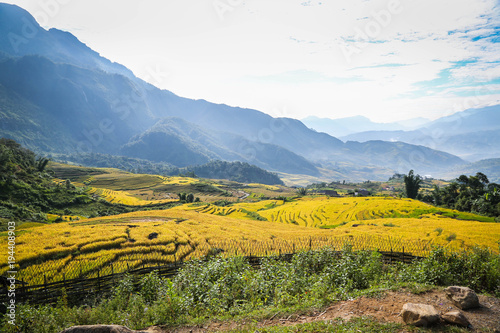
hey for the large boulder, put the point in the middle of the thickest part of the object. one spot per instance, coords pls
(99, 329)
(456, 318)
(463, 297)
(419, 314)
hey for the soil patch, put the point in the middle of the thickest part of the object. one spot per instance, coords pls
(385, 308)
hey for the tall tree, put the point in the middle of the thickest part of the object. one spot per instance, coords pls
(412, 184)
(41, 163)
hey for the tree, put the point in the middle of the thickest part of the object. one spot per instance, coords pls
(190, 198)
(182, 196)
(412, 184)
(437, 196)
(302, 191)
(41, 163)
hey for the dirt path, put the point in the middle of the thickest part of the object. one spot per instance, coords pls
(386, 308)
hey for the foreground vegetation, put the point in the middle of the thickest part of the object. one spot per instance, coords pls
(229, 288)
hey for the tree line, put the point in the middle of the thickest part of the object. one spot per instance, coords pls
(473, 194)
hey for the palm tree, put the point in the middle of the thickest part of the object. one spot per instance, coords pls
(41, 163)
(412, 184)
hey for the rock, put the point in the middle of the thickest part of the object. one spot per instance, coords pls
(456, 318)
(419, 314)
(99, 329)
(463, 297)
(153, 235)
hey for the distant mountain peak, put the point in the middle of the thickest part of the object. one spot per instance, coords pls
(20, 35)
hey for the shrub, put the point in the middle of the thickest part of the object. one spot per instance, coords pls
(150, 286)
(451, 237)
(354, 270)
(477, 268)
(215, 285)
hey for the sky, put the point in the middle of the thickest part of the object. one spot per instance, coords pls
(388, 60)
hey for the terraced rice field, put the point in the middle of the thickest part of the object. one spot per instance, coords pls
(126, 198)
(115, 243)
(122, 187)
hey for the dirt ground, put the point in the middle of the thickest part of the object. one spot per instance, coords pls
(385, 308)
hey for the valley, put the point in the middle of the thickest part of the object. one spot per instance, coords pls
(239, 219)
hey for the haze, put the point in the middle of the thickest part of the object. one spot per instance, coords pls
(386, 60)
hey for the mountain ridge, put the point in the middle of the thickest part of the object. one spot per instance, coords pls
(100, 106)
(471, 134)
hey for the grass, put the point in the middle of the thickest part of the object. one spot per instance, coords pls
(363, 324)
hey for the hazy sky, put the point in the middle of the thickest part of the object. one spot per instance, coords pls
(387, 60)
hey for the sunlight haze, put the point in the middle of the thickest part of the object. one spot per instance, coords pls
(386, 60)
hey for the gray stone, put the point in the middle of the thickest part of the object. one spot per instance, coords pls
(463, 297)
(456, 318)
(419, 314)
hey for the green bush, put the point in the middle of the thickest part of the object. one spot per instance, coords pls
(214, 286)
(477, 268)
(150, 286)
(354, 270)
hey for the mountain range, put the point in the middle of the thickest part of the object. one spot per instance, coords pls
(349, 125)
(59, 96)
(473, 134)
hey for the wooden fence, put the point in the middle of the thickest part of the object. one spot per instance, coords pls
(77, 291)
(74, 266)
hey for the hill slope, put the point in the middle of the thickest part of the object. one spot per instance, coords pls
(95, 105)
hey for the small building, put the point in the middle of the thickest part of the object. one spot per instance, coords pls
(362, 193)
(331, 193)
